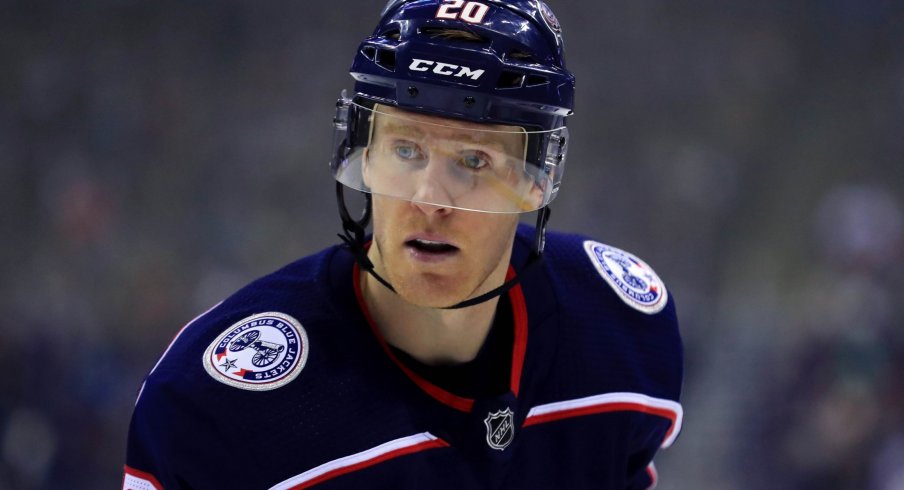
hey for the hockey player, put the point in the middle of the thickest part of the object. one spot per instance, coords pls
(453, 348)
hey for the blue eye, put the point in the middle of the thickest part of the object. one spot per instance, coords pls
(407, 151)
(475, 160)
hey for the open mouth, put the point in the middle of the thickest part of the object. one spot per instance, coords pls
(430, 246)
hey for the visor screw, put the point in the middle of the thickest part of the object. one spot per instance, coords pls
(412, 91)
(469, 101)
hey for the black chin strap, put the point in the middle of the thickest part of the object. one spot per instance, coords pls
(536, 256)
(353, 234)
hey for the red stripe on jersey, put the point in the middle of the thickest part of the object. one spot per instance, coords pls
(364, 464)
(607, 403)
(654, 476)
(602, 408)
(147, 477)
(519, 317)
(359, 461)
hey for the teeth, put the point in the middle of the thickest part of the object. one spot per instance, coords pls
(431, 245)
(429, 242)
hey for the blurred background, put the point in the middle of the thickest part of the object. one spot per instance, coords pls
(155, 156)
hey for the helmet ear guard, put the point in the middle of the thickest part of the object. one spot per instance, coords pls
(554, 158)
(351, 127)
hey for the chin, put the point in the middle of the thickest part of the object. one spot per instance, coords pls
(431, 294)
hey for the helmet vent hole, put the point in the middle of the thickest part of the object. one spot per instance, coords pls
(386, 58)
(369, 52)
(521, 56)
(534, 80)
(510, 79)
(452, 34)
(392, 34)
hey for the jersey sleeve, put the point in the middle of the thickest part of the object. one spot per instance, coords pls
(150, 457)
(662, 424)
(175, 436)
(642, 473)
(620, 323)
(163, 432)
(144, 467)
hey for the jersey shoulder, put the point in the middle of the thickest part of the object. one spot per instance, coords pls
(583, 263)
(257, 339)
(615, 317)
(249, 351)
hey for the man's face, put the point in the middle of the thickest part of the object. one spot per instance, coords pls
(433, 253)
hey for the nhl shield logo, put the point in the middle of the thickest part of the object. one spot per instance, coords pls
(261, 352)
(500, 428)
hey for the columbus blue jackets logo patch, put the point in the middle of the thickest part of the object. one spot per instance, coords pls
(500, 428)
(261, 352)
(633, 280)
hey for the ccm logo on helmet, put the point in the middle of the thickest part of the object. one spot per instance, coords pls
(446, 69)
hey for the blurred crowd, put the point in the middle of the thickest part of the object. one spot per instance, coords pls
(155, 156)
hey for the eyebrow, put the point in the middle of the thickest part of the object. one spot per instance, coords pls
(404, 130)
(464, 136)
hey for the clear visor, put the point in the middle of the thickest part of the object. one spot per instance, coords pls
(446, 162)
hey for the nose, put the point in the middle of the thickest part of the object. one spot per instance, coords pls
(431, 196)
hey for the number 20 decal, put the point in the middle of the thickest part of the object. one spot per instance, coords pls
(472, 12)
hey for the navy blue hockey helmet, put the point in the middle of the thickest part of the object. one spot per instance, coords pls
(480, 87)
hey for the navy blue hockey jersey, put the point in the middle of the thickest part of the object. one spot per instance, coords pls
(288, 384)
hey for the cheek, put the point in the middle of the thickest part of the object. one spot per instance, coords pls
(495, 236)
(378, 213)
(384, 217)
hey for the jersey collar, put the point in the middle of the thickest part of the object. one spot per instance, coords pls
(519, 317)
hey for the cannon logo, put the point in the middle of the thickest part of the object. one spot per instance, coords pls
(261, 352)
